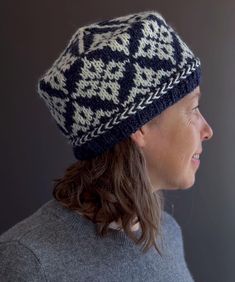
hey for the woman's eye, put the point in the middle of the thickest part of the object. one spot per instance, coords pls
(196, 107)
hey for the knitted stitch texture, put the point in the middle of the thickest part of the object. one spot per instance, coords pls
(114, 76)
(56, 244)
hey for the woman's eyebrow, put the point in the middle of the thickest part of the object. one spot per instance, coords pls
(197, 94)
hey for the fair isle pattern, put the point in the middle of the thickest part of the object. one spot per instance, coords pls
(114, 76)
(144, 102)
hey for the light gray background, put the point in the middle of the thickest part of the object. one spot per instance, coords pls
(34, 152)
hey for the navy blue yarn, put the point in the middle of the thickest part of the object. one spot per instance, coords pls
(126, 83)
(106, 141)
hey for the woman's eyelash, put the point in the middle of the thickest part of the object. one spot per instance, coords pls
(198, 107)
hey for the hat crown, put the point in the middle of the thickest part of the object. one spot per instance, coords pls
(114, 76)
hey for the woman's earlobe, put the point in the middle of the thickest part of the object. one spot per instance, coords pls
(138, 137)
(133, 137)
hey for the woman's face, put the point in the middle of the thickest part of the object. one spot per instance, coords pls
(170, 140)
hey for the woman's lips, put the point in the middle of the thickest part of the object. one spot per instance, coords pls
(196, 161)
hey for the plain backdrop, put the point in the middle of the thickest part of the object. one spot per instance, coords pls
(34, 152)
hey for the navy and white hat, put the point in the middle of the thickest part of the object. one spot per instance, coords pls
(113, 77)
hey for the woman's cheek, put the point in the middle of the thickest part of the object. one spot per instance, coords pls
(189, 122)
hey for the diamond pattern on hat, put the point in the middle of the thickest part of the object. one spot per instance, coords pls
(84, 118)
(100, 79)
(156, 42)
(55, 75)
(114, 76)
(57, 107)
(145, 78)
(116, 41)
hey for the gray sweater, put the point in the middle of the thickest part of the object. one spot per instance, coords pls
(56, 244)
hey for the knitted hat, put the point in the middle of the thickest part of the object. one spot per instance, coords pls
(113, 77)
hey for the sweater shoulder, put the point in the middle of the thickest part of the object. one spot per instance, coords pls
(170, 220)
(14, 263)
(173, 233)
(171, 229)
(29, 225)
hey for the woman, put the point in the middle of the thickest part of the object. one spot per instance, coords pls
(125, 93)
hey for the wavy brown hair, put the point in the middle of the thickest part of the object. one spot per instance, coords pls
(114, 186)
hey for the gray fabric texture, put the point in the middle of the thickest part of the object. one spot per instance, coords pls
(56, 244)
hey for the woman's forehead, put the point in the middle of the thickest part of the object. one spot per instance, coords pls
(196, 93)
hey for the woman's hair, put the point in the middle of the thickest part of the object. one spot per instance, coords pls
(114, 186)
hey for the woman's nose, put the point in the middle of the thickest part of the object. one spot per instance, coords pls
(207, 131)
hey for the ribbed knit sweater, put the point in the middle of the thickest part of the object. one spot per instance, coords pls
(57, 244)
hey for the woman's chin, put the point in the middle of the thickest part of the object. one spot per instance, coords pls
(186, 183)
(182, 183)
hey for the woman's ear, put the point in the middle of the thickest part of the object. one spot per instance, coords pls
(139, 137)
